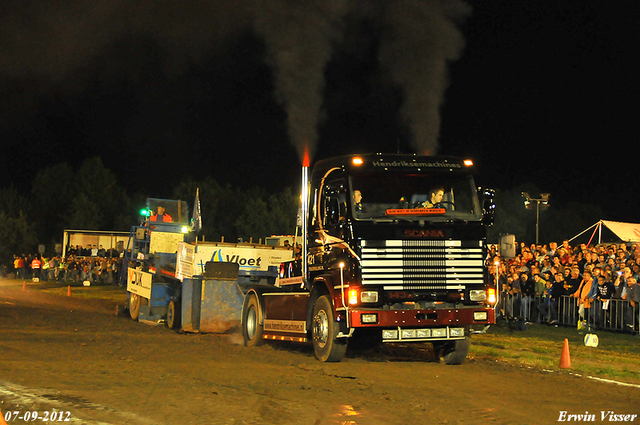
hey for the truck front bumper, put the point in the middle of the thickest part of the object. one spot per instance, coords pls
(421, 318)
(422, 325)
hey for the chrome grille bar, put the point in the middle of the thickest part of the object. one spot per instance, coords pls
(422, 264)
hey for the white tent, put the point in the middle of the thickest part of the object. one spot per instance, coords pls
(627, 232)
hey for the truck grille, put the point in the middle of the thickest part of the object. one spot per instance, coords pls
(422, 264)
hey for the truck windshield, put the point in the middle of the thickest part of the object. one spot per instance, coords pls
(434, 197)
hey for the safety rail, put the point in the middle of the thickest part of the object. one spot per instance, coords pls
(614, 315)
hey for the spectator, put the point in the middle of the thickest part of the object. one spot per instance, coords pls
(44, 268)
(527, 288)
(36, 264)
(582, 295)
(603, 293)
(573, 282)
(620, 283)
(26, 265)
(548, 307)
(631, 312)
(514, 303)
(18, 265)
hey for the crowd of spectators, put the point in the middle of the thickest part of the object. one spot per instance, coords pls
(583, 284)
(543, 283)
(92, 264)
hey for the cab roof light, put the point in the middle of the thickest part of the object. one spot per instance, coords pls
(468, 163)
(357, 161)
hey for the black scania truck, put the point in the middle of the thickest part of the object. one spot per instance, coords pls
(393, 245)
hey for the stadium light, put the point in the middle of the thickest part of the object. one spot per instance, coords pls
(542, 202)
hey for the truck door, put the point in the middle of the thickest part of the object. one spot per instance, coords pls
(331, 222)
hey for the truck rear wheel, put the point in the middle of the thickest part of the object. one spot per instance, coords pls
(455, 352)
(251, 326)
(324, 331)
(173, 315)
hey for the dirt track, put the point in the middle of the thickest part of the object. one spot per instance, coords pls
(108, 369)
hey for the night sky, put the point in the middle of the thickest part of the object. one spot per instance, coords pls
(544, 92)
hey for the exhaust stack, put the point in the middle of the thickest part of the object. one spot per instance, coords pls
(305, 213)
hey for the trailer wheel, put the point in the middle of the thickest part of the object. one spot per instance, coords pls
(324, 331)
(251, 327)
(173, 315)
(455, 352)
(135, 301)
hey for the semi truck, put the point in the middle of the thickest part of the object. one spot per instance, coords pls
(393, 246)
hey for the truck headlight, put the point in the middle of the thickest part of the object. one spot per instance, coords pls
(389, 334)
(477, 295)
(453, 332)
(369, 296)
(439, 332)
(409, 333)
(423, 333)
(480, 316)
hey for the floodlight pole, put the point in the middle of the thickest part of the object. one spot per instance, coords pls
(544, 200)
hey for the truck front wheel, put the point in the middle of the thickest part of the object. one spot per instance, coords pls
(324, 331)
(455, 352)
(251, 326)
(134, 305)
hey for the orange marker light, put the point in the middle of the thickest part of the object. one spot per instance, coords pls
(357, 161)
(353, 296)
(468, 163)
(491, 296)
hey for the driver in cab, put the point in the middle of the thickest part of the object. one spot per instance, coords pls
(435, 198)
(160, 215)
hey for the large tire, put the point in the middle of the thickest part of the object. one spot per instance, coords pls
(134, 305)
(324, 332)
(173, 315)
(252, 330)
(455, 352)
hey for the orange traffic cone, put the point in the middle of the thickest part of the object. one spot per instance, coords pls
(24, 288)
(69, 291)
(565, 359)
(2, 421)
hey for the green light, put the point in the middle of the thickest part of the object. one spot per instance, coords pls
(145, 212)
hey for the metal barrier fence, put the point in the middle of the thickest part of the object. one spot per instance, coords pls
(614, 315)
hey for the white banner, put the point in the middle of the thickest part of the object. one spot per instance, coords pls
(139, 282)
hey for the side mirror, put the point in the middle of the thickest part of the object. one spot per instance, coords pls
(488, 206)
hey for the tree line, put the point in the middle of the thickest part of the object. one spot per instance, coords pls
(90, 198)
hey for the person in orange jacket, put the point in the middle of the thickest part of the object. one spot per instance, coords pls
(160, 215)
(36, 265)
